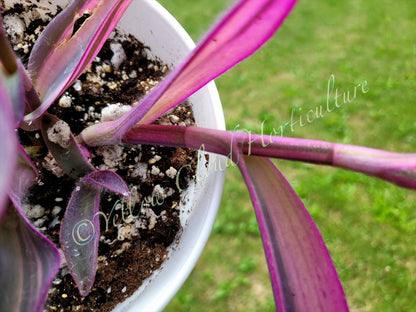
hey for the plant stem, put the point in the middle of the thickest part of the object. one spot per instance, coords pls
(220, 142)
(397, 168)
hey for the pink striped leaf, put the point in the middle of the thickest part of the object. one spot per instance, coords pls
(80, 228)
(80, 233)
(301, 270)
(28, 262)
(8, 148)
(13, 83)
(32, 261)
(18, 83)
(26, 172)
(60, 57)
(15, 88)
(109, 180)
(243, 30)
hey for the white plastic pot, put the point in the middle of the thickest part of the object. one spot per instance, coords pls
(151, 24)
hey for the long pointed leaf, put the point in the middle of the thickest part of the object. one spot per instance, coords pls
(302, 273)
(28, 263)
(59, 58)
(80, 233)
(108, 180)
(14, 85)
(8, 148)
(12, 73)
(80, 228)
(28, 260)
(246, 27)
(25, 175)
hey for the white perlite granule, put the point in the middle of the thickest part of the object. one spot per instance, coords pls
(150, 214)
(65, 101)
(155, 170)
(159, 192)
(50, 164)
(60, 133)
(126, 231)
(77, 85)
(119, 55)
(111, 155)
(35, 211)
(15, 28)
(171, 172)
(140, 171)
(114, 111)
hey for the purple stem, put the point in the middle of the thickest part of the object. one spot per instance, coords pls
(398, 168)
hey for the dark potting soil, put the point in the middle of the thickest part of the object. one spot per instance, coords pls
(133, 242)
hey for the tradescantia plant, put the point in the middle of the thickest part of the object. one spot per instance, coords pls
(302, 273)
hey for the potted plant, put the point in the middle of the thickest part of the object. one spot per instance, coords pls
(156, 28)
(302, 273)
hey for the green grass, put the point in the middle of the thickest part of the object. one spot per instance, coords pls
(369, 225)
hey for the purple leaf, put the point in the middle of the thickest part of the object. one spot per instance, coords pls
(302, 273)
(32, 261)
(64, 148)
(242, 31)
(15, 88)
(246, 27)
(80, 228)
(25, 175)
(80, 233)
(109, 180)
(28, 263)
(32, 100)
(12, 74)
(59, 58)
(8, 148)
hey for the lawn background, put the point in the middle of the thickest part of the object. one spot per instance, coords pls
(369, 225)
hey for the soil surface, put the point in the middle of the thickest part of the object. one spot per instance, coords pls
(134, 238)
